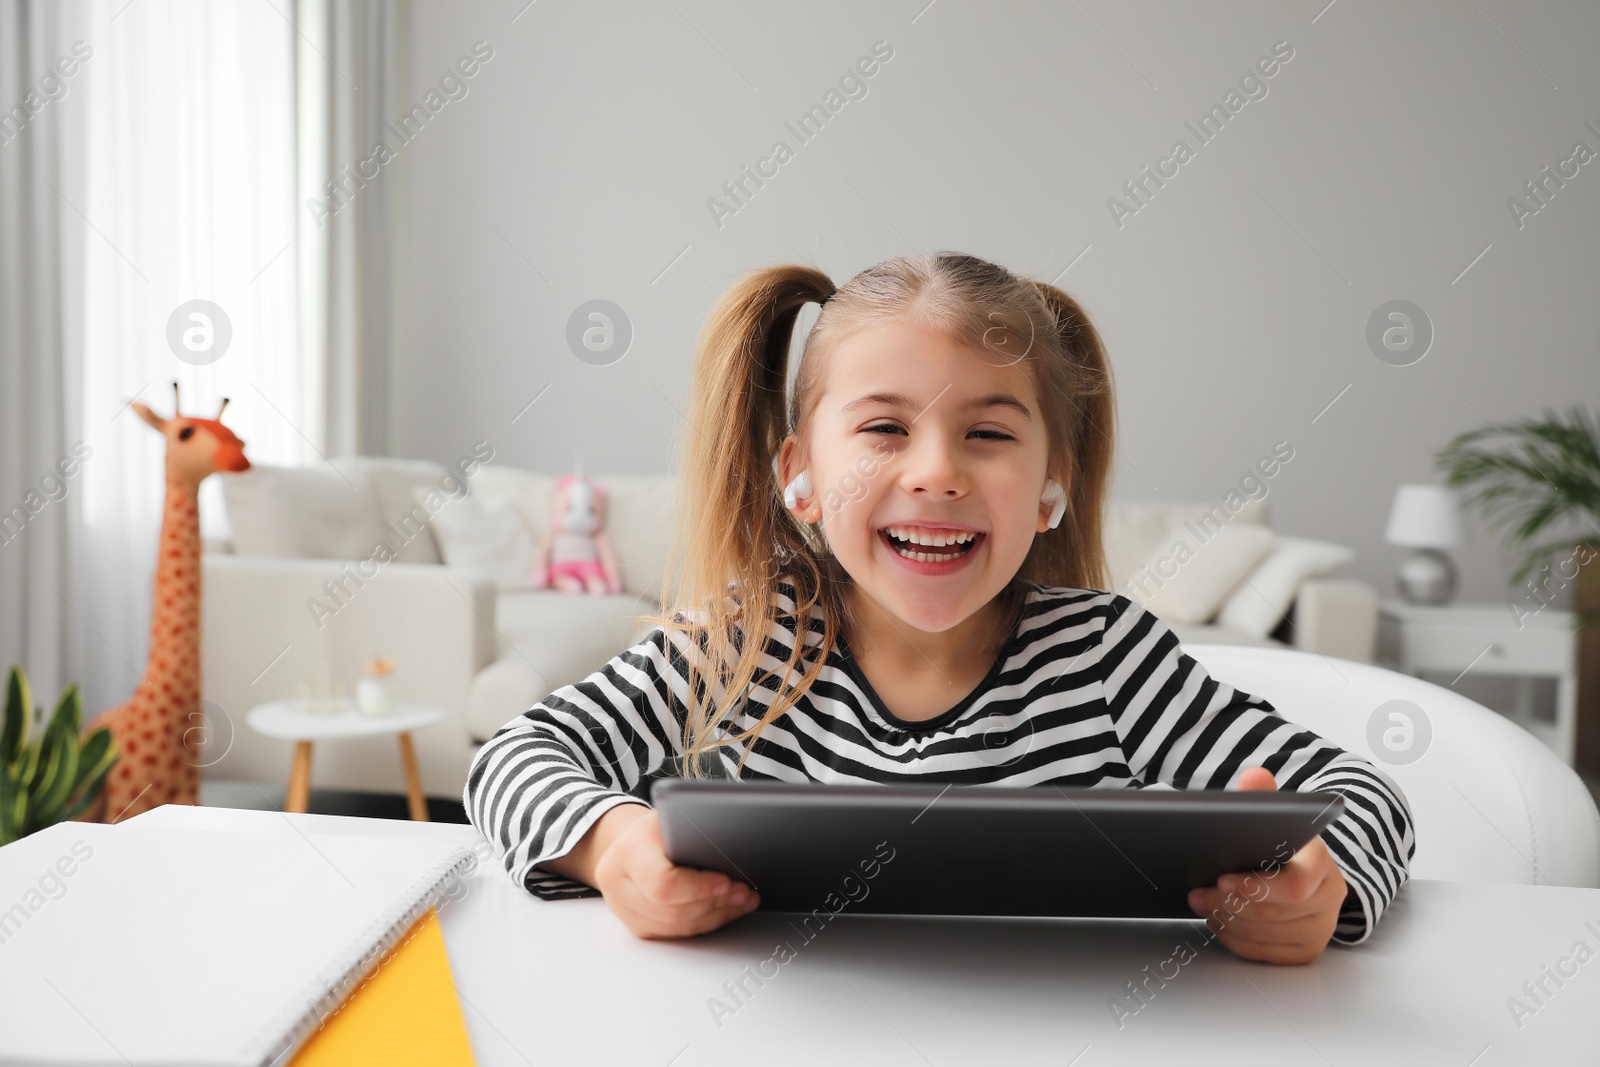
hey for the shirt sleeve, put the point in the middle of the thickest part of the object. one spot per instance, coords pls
(1179, 726)
(537, 786)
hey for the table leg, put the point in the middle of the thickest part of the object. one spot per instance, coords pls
(299, 778)
(1567, 718)
(1525, 692)
(414, 795)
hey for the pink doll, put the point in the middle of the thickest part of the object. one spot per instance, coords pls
(577, 556)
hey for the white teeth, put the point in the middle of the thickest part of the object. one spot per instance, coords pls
(927, 557)
(933, 557)
(916, 536)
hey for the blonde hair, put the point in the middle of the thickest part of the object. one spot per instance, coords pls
(735, 539)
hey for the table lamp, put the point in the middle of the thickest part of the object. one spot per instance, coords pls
(1425, 518)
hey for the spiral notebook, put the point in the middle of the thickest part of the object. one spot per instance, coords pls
(408, 1013)
(143, 945)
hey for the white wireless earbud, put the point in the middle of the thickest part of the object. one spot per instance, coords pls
(801, 486)
(1055, 496)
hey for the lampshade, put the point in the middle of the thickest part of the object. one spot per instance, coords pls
(1424, 516)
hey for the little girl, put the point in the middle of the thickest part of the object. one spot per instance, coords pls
(926, 510)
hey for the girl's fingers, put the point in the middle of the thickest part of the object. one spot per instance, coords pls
(1287, 927)
(1272, 952)
(1270, 933)
(1265, 910)
(1277, 942)
(672, 921)
(1297, 881)
(1256, 778)
(1290, 893)
(736, 899)
(685, 892)
(664, 883)
(655, 898)
(716, 917)
(640, 856)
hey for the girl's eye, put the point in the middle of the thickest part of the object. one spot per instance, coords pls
(993, 435)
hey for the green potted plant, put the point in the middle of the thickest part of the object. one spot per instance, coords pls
(1534, 477)
(49, 772)
(1539, 477)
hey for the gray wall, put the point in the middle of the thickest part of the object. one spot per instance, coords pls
(1378, 166)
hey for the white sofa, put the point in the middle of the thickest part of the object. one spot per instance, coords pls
(484, 653)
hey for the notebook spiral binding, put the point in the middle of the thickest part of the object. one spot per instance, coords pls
(384, 935)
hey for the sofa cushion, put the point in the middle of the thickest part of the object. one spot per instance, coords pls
(640, 521)
(639, 517)
(528, 491)
(567, 636)
(484, 532)
(1134, 529)
(1187, 579)
(1263, 598)
(393, 481)
(302, 512)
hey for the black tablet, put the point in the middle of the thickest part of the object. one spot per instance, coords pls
(982, 850)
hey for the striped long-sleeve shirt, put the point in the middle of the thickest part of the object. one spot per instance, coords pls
(1090, 691)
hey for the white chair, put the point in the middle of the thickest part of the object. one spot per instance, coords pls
(1491, 803)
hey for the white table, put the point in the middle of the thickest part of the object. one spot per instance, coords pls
(289, 720)
(1458, 639)
(564, 982)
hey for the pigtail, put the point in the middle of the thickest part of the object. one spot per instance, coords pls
(1073, 554)
(738, 412)
(734, 536)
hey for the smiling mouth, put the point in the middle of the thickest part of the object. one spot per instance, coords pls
(923, 553)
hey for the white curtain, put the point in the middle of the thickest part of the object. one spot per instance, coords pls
(350, 60)
(38, 509)
(165, 172)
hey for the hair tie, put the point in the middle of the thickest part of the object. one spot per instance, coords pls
(827, 298)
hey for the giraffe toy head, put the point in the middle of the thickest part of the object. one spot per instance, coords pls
(196, 448)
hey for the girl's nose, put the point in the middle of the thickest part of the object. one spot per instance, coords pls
(933, 469)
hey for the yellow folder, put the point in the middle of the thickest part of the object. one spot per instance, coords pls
(406, 1012)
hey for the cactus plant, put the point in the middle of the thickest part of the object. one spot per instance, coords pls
(52, 774)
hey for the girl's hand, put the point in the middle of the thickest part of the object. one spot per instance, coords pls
(657, 899)
(1285, 917)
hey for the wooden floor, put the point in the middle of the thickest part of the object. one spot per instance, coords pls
(229, 794)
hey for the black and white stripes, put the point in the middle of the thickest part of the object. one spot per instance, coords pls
(1090, 691)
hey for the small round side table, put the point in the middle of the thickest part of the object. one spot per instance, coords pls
(289, 721)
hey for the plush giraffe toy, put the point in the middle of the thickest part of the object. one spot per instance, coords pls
(157, 752)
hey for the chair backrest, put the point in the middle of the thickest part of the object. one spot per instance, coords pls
(1490, 802)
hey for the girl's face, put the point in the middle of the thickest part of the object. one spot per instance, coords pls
(919, 438)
